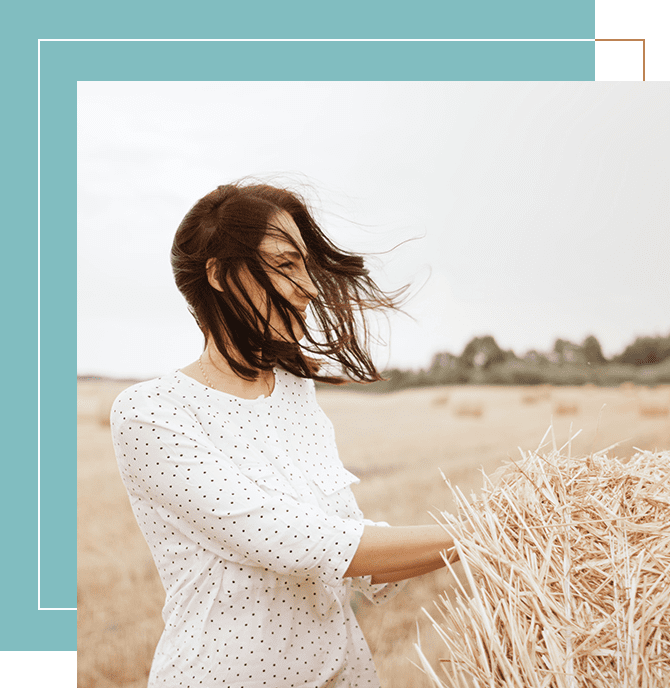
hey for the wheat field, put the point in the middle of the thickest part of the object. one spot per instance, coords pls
(397, 444)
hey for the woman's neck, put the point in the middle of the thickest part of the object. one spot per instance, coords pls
(213, 370)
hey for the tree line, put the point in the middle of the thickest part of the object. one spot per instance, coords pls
(483, 361)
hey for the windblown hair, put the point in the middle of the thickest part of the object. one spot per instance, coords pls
(228, 225)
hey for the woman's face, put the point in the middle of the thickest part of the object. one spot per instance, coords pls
(285, 253)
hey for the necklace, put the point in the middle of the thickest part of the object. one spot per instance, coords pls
(211, 384)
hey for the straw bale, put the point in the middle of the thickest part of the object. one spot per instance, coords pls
(652, 410)
(566, 408)
(472, 409)
(566, 562)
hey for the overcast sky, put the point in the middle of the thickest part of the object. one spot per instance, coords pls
(537, 210)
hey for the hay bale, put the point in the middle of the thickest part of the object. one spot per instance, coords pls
(470, 409)
(654, 410)
(567, 562)
(566, 408)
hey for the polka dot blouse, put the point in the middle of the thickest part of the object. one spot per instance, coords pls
(249, 515)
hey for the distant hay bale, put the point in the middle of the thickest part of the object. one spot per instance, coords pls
(536, 394)
(566, 408)
(654, 410)
(441, 400)
(531, 398)
(470, 408)
(567, 562)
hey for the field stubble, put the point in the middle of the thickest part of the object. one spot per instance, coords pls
(397, 444)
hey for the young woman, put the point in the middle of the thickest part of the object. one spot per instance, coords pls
(231, 466)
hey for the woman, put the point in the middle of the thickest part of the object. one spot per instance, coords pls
(231, 466)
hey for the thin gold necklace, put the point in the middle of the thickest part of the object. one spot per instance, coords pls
(211, 384)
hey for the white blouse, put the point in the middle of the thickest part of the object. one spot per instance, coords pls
(249, 515)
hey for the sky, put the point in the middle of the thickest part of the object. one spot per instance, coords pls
(528, 211)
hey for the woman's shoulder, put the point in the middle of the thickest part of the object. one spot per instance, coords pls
(158, 392)
(292, 384)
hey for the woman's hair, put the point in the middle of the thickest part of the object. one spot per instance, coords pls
(228, 225)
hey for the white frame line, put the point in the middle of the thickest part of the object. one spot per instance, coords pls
(39, 385)
(184, 40)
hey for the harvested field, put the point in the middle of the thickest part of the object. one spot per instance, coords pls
(397, 444)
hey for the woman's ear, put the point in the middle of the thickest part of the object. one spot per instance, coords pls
(211, 274)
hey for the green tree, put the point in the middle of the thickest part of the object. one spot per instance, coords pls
(481, 352)
(645, 351)
(560, 347)
(568, 352)
(592, 351)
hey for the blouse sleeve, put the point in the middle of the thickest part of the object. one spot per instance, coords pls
(166, 460)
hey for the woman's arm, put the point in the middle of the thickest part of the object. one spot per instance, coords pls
(395, 553)
(405, 574)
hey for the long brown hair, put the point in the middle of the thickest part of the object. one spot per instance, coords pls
(228, 225)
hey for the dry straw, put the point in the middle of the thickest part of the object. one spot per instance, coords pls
(566, 568)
